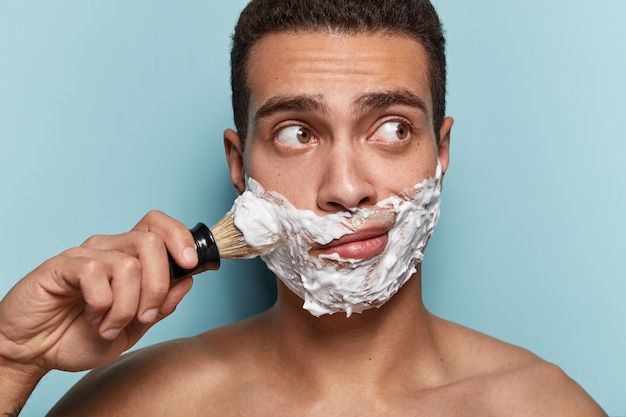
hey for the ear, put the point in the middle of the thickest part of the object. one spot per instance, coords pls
(234, 157)
(444, 144)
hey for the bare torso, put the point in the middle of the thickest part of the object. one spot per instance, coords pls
(235, 371)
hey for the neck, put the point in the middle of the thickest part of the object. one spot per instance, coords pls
(364, 346)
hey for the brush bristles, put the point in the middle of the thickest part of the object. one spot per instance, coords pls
(230, 241)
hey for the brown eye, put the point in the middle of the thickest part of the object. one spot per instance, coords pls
(295, 135)
(304, 135)
(402, 131)
(392, 132)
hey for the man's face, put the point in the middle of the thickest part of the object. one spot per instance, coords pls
(338, 121)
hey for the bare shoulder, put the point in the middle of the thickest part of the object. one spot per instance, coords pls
(515, 382)
(540, 388)
(179, 377)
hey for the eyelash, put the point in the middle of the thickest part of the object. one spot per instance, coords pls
(315, 136)
(279, 128)
(395, 119)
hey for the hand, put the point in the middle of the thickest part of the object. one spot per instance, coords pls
(84, 307)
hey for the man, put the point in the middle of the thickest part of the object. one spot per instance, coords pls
(339, 106)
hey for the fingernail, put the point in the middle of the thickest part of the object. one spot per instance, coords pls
(110, 334)
(190, 255)
(150, 315)
(97, 320)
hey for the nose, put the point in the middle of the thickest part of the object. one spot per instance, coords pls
(346, 181)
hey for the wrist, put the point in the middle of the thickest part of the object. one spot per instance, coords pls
(17, 381)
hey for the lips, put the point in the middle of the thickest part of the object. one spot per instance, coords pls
(359, 245)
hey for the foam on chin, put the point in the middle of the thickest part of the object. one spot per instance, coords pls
(328, 283)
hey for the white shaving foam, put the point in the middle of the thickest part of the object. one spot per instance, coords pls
(329, 283)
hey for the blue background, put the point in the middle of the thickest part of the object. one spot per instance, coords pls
(110, 109)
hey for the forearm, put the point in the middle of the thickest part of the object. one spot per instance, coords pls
(17, 382)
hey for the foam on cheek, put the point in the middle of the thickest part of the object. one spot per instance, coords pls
(256, 218)
(328, 283)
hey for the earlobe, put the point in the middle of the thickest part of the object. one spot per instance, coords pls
(234, 156)
(444, 144)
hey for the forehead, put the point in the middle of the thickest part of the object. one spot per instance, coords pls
(336, 66)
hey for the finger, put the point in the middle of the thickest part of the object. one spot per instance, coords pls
(58, 291)
(149, 248)
(92, 277)
(177, 237)
(126, 277)
(179, 289)
(107, 281)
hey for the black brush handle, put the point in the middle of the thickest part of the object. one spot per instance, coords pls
(208, 255)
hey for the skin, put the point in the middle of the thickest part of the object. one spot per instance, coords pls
(397, 360)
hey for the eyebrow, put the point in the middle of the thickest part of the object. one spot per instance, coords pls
(363, 103)
(288, 103)
(385, 99)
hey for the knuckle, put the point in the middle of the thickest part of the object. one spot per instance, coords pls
(149, 242)
(129, 266)
(93, 241)
(154, 216)
(151, 239)
(89, 267)
(71, 253)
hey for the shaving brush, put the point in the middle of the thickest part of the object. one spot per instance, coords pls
(223, 241)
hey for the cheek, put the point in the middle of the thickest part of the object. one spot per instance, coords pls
(293, 179)
(394, 174)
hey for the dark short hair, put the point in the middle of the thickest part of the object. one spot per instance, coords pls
(415, 18)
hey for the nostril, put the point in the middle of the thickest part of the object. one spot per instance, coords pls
(346, 183)
(346, 203)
